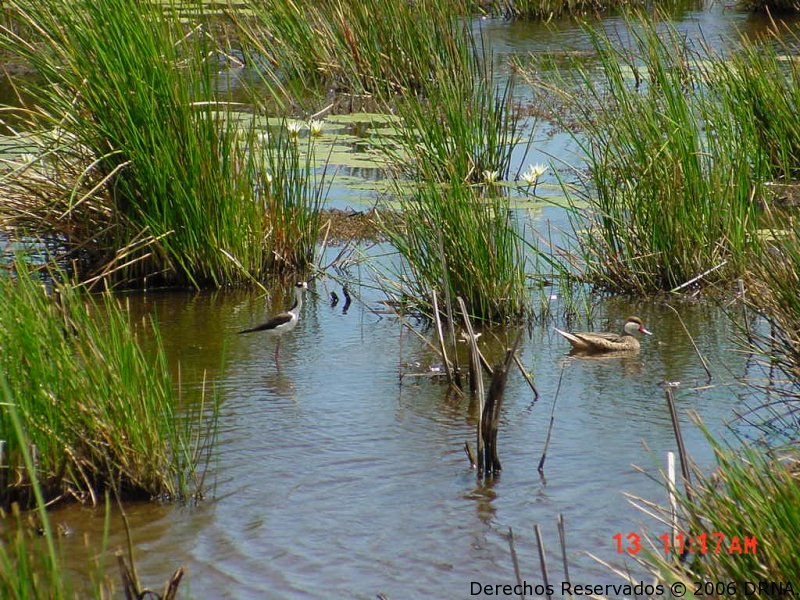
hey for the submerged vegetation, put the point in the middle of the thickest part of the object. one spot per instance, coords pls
(98, 413)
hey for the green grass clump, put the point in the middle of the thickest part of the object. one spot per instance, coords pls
(98, 412)
(759, 86)
(673, 171)
(461, 239)
(291, 195)
(465, 128)
(380, 47)
(748, 495)
(773, 281)
(549, 9)
(162, 182)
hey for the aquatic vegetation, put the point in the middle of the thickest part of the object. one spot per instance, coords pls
(343, 45)
(155, 181)
(457, 241)
(549, 9)
(748, 516)
(759, 86)
(99, 412)
(772, 284)
(31, 562)
(291, 195)
(668, 202)
(465, 128)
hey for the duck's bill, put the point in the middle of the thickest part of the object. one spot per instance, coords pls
(643, 330)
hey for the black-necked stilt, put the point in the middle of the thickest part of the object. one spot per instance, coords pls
(285, 321)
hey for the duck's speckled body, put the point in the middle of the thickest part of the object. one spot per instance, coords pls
(605, 341)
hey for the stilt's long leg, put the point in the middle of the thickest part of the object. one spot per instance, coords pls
(277, 352)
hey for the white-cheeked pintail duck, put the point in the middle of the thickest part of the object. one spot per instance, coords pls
(606, 341)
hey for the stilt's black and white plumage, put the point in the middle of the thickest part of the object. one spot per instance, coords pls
(283, 322)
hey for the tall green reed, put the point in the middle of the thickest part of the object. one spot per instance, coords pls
(549, 9)
(98, 412)
(31, 560)
(672, 173)
(291, 194)
(26, 570)
(772, 284)
(466, 127)
(759, 85)
(373, 46)
(463, 240)
(164, 185)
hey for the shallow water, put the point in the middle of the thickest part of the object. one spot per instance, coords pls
(335, 479)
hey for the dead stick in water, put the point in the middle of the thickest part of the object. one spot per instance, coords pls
(439, 332)
(691, 339)
(542, 560)
(491, 411)
(515, 562)
(673, 500)
(552, 421)
(478, 382)
(474, 352)
(676, 426)
(527, 378)
(448, 304)
(562, 535)
(473, 463)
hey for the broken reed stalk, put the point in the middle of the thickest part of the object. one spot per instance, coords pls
(475, 373)
(347, 299)
(552, 421)
(691, 339)
(673, 501)
(515, 562)
(698, 278)
(477, 376)
(473, 462)
(542, 560)
(440, 335)
(527, 378)
(130, 578)
(490, 462)
(676, 426)
(448, 304)
(130, 585)
(562, 536)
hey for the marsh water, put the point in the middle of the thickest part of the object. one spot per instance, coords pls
(336, 477)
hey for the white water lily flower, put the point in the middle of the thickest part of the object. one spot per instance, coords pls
(491, 177)
(294, 128)
(315, 127)
(534, 173)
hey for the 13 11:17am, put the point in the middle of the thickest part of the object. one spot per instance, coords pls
(703, 543)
